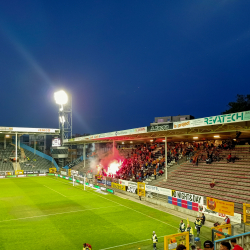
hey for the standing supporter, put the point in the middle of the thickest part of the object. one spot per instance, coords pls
(155, 240)
(140, 195)
(155, 173)
(236, 247)
(203, 219)
(227, 220)
(198, 225)
(182, 227)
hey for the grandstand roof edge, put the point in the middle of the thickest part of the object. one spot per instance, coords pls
(9, 130)
(181, 125)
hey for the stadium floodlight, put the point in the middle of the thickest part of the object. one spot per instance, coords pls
(61, 97)
(62, 119)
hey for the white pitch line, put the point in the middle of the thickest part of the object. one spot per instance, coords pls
(44, 215)
(55, 191)
(138, 211)
(129, 243)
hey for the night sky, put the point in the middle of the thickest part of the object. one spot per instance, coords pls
(124, 61)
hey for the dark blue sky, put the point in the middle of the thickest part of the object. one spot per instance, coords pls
(124, 62)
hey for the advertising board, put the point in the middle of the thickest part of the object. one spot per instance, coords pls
(188, 197)
(163, 127)
(118, 186)
(213, 120)
(219, 206)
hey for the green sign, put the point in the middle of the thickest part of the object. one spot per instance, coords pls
(78, 181)
(70, 179)
(86, 183)
(110, 191)
(96, 186)
(64, 177)
(31, 175)
(220, 119)
(10, 175)
(51, 174)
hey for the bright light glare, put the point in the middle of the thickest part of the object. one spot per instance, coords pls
(195, 137)
(114, 166)
(216, 136)
(61, 97)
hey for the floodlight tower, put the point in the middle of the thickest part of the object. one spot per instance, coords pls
(65, 113)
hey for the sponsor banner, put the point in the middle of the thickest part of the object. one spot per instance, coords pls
(66, 178)
(219, 206)
(22, 175)
(17, 172)
(158, 190)
(163, 127)
(108, 183)
(204, 209)
(8, 173)
(131, 183)
(81, 182)
(54, 174)
(189, 197)
(132, 189)
(123, 182)
(183, 203)
(31, 172)
(103, 189)
(2, 173)
(213, 120)
(17, 129)
(31, 175)
(63, 173)
(110, 191)
(118, 186)
(1, 176)
(42, 174)
(11, 176)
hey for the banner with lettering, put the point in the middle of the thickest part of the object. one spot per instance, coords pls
(219, 206)
(118, 186)
(188, 197)
(235, 218)
(213, 120)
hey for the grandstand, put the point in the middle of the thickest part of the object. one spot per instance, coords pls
(34, 162)
(232, 179)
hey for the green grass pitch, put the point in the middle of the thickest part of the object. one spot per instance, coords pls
(46, 213)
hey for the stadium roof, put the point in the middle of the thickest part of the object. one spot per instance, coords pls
(224, 126)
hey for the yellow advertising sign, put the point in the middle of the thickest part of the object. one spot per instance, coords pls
(69, 172)
(52, 170)
(223, 207)
(118, 186)
(141, 188)
(246, 213)
(17, 172)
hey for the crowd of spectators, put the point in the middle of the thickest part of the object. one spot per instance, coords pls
(148, 160)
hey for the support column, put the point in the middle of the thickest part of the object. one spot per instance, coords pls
(84, 154)
(34, 144)
(166, 158)
(16, 151)
(19, 139)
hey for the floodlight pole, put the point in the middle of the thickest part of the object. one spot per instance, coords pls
(16, 151)
(166, 158)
